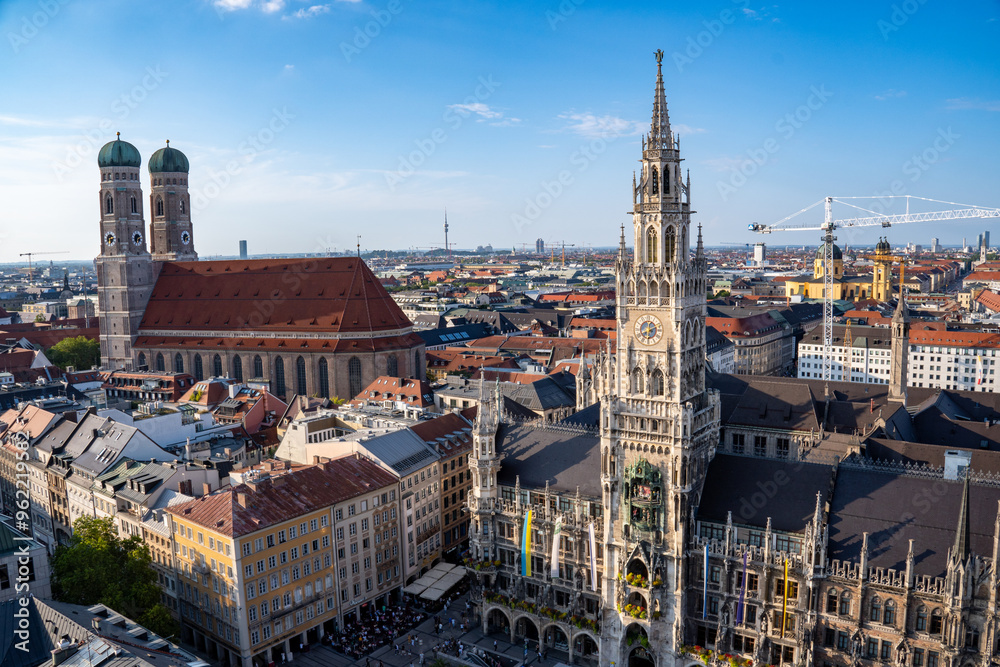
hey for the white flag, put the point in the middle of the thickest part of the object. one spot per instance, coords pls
(556, 537)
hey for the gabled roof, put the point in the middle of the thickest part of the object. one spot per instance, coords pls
(320, 295)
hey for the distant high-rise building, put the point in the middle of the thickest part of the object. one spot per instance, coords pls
(243, 249)
(986, 239)
(539, 246)
(759, 253)
(935, 247)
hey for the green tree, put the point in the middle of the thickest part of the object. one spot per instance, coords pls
(80, 353)
(99, 567)
(39, 317)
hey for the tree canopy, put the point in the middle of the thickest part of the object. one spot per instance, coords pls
(99, 567)
(81, 353)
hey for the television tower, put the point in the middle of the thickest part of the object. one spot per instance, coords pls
(447, 248)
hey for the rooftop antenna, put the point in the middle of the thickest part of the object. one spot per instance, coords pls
(359, 245)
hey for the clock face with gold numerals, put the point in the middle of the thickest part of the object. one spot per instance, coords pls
(109, 238)
(648, 330)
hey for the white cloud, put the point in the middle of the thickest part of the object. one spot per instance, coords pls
(973, 104)
(681, 128)
(232, 5)
(311, 12)
(593, 126)
(272, 6)
(890, 94)
(482, 110)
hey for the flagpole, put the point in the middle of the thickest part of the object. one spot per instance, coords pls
(784, 603)
(743, 592)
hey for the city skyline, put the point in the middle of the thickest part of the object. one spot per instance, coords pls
(317, 130)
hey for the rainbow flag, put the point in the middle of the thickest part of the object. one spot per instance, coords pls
(526, 546)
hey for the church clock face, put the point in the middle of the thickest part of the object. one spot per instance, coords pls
(648, 330)
(109, 238)
(137, 238)
(185, 237)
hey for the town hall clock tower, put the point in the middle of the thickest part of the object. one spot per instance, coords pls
(659, 425)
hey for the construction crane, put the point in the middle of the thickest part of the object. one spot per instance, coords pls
(31, 270)
(875, 219)
(564, 246)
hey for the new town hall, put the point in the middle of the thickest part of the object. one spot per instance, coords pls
(686, 517)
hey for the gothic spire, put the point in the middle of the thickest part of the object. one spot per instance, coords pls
(700, 249)
(902, 314)
(622, 252)
(659, 132)
(962, 535)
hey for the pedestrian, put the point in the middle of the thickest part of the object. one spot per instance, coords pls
(452, 623)
(494, 645)
(368, 662)
(525, 654)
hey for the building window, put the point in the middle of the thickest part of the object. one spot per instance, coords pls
(142, 360)
(135, 207)
(238, 368)
(652, 243)
(109, 205)
(738, 443)
(178, 363)
(300, 376)
(160, 365)
(392, 366)
(782, 448)
(935, 628)
(324, 379)
(159, 206)
(876, 611)
(354, 376)
(258, 367)
(671, 239)
(890, 612)
(199, 368)
(921, 622)
(759, 445)
(217, 366)
(831, 601)
(279, 376)
(845, 604)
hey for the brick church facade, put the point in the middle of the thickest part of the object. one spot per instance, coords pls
(316, 326)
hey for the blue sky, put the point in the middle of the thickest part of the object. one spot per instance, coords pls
(307, 124)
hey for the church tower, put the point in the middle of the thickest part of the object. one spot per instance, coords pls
(659, 424)
(170, 232)
(900, 351)
(124, 268)
(882, 272)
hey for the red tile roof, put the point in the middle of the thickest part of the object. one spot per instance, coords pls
(989, 300)
(450, 425)
(389, 388)
(315, 295)
(281, 497)
(955, 338)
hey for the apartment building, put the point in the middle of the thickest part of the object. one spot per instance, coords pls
(859, 354)
(451, 436)
(289, 553)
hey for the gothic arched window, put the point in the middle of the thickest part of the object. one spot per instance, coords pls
(936, 623)
(238, 368)
(178, 363)
(657, 383)
(258, 367)
(279, 376)
(159, 206)
(652, 246)
(921, 623)
(135, 207)
(845, 603)
(831, 601)
(109, 205)
(671, 240)
(217, 366)
(392, 365)
(199, 368)
(160, 365)
(324, 379)
(890, 612)
(142, 359)
(656, 182)
(354, 377)
(300, 376)
(181, 204)
(875, 613)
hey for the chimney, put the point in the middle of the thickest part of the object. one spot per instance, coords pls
(234, 389)
(243, 499)
(206, 488)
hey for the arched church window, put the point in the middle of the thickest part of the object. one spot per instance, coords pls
(181, 203)
(354, 376)
(656, 182)
(279, 376)
(300, 376)
(142, 360)
(324, 379)
(135, 207)
(238, 368)
(159, 362)
(671, 245)
(392, 365)
(109, 205)
(258, 367)
(159, 206)
(178, 363)
(652, 246)
(217, 366)
(199, 368)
